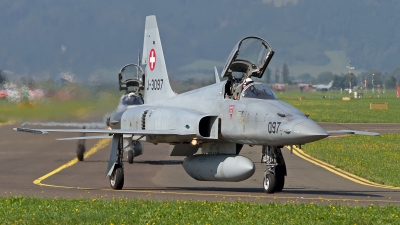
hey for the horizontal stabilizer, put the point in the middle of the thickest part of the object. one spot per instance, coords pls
(106, 131)
(342, 132)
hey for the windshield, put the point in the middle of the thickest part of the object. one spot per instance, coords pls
(131, 100)
(260, 91)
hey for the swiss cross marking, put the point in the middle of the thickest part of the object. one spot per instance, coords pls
(152, 59)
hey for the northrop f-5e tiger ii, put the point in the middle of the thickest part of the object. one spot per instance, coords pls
(211, 124)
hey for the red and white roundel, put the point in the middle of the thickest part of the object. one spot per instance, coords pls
(152, 59)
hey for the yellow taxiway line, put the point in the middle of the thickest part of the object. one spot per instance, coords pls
(338, 171)
(99, 145)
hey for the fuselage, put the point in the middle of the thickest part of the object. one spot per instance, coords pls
(246, 121)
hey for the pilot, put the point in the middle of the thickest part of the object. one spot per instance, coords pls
(240, 88)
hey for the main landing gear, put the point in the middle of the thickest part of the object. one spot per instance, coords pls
(115, 169)
(117, 178)
(80, 149)
(130, 156)
(274, 175)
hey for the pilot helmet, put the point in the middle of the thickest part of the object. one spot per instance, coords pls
(248, 81)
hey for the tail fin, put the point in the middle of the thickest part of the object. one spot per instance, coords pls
(157, 86)
(330, 84)
(217, 80)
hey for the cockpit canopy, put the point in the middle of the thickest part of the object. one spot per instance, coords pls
(259, 91)
(130, 78)
(250, 56)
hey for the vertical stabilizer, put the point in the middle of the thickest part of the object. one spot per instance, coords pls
(157, 86)
(217, 80)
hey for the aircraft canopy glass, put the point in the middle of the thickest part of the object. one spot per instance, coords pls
(131, 100)
(130, 77)
(250, 56)
(258, 90)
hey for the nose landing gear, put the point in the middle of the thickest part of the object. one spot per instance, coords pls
(274, 175)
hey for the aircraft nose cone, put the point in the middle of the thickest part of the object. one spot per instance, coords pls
(309, 131)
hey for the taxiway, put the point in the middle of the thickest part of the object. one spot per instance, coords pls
(41, 166)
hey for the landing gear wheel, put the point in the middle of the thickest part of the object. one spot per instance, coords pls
(279, 183)
(117, 178)
(130, 156)
(80, 151)
(269, 183)
(279, 178)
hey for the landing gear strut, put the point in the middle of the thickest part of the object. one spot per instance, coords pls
(115, 167)
(274, 175)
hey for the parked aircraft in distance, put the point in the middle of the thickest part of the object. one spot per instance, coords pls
(323, 87)
(218, 119)
(278, 87)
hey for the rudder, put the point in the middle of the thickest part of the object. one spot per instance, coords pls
(157, 86)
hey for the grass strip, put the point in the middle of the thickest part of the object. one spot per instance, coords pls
(329, 107)
(54, 110)
(320, 106)
(27, 210)
(375, 158)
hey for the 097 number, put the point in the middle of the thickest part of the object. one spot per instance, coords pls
(155, 84)
(273, 127)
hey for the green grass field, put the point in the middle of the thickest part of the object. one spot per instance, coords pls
(79, 109)
(25, 210)
(329, 109)
(375, 158)
(333, 109)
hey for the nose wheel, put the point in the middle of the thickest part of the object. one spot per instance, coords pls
(269, 183)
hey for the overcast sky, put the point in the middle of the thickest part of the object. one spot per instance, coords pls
(46, 37)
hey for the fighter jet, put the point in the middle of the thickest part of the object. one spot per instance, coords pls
(211, 124)
(323, 87)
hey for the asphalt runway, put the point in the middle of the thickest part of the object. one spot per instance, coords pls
(40, 166)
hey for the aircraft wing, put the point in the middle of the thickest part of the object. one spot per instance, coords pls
(342, 132)
(106, 131)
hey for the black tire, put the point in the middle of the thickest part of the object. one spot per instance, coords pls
(269, 183)
(279, 178)
(117, 179)
(280, 183)
(80, 151)
(130, 156)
